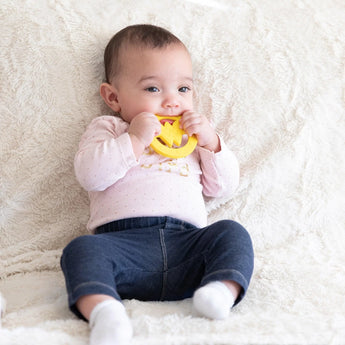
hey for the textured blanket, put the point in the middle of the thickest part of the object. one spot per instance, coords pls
(270, 75)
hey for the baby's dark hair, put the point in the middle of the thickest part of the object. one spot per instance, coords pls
(140, 35)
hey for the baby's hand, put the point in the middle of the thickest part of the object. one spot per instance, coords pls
(142, 129)
(195, 123)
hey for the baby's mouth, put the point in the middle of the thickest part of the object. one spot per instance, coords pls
(170, 121)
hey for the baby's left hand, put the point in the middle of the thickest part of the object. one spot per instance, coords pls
(195, 123)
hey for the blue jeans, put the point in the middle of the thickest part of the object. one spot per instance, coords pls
(156, 259)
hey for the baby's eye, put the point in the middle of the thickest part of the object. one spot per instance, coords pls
(184, 89)
(152, 89)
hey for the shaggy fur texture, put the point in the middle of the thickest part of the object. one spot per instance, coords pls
(269, 74)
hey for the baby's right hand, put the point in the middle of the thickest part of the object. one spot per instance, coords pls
(142, 129)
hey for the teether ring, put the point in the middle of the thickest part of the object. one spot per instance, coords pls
(171, 134)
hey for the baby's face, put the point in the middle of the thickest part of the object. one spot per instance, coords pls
(158, 81)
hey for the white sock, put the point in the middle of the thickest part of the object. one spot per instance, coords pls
(214, 300)
(110, 324)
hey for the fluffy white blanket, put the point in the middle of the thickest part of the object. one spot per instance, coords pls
(270, 75)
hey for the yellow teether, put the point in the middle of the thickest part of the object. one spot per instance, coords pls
(171, 134)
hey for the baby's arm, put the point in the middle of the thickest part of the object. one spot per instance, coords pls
(220, 172)
(198, 124)
(220, 169)
(105, 154)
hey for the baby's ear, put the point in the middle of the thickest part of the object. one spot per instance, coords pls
(109, 94)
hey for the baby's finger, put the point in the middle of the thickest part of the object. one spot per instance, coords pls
(185, 116)
(192, 125)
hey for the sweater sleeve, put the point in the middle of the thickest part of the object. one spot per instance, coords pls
(105, 154)
(220, 172)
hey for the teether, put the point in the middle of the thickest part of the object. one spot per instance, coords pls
(171, 134)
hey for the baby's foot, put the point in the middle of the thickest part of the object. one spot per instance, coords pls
(110, 324)
(214, 300)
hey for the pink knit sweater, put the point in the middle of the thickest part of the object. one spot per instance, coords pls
(120, 186)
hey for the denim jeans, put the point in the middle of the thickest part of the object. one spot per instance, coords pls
(156, 259)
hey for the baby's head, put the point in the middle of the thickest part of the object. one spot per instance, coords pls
(141, 36)
(149, 69)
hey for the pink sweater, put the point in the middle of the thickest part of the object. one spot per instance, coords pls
(120, 186)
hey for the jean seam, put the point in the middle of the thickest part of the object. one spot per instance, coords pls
(93, 283)
(226, 271)
(165, 262)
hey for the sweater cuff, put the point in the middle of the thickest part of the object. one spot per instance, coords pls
(206, 154)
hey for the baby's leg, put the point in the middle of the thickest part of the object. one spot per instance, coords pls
(229, 266)
(89, 273)
(108, 320)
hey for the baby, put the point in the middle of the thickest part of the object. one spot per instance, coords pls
(150, 239)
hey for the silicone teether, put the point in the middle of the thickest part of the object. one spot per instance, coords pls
(171, 134)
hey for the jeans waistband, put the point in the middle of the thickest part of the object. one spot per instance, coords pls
(143, 222)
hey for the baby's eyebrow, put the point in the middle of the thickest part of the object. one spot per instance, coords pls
(154, 78)
(144, 78)
(189, 81)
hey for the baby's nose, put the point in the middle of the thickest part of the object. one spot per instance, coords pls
(170, 102)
